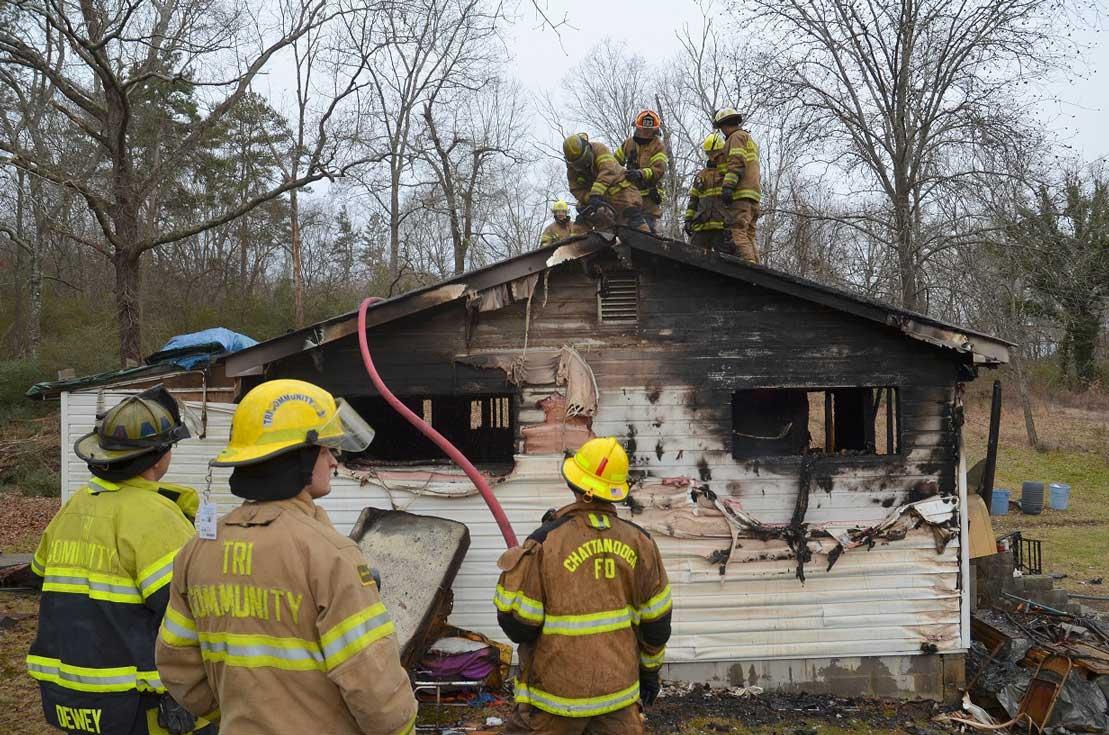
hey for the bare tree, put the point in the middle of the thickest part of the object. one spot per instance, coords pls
(433, 47)
(909, 94)
(488, 131)
(123, 60)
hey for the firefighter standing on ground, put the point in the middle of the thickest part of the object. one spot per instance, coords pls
(644, 156)
(587, 599)
(106, 560)
(705, 214)
(605, 196)
(741, 189)
(277, 623)
(562, 227)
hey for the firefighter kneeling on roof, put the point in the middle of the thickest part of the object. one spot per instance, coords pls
(587, 600)
(276, 623)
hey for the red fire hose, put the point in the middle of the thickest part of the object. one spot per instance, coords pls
(427, 430)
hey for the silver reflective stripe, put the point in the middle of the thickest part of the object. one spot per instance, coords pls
(255, 650)
(85, 582)
(178, 630)
(561, 624)
(92, 679)
(658, 608)
(152, 681)
(165, 571)
(586, 707)
(355, 633)
(517, 601)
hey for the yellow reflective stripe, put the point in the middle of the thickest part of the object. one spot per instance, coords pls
(104, 484)
(355, 634)
(157, 575)
(737, 151)
(660, 157)
(519, 603)
(591, 624)
(714, 191)
(598, 188)
(749, 194)
(649, 661)
(106, 587)
(648, 173)
(87, 679)
(657, 606)
(605, 158)
(710, 226)
(178, 630)
(256, 651)
(620, 155)
(38, 567)
(576, 707)
(409, 727)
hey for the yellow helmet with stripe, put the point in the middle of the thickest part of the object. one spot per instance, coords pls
(560, 207)
(281, 415)
(599, 470)
(577, 151)
(714, 144)
(727, 116)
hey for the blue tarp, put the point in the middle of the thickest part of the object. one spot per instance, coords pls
(190, 350)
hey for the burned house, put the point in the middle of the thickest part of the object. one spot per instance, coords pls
(795, 448)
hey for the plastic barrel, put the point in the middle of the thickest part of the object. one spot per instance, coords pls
(1032, 498)
(1058, 495)
(999, 502)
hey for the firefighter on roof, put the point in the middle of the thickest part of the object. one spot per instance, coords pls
(106, 561)
(601, 186)
(741, 191)
(644, 156)
(587, 599)
(705, 214)
(277, 624)
(562, 227)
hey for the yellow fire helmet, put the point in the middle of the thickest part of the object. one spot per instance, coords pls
(599, 469)
(714, 144)
(560, 207)
(727, 116)
(577, 151)
(281, 415)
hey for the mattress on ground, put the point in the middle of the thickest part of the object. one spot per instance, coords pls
(418, 558)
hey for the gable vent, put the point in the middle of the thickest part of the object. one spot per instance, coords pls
(618, 298)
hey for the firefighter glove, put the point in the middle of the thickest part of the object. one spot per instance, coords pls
(173, 717)
(728, 194)
(649, 686)
(596, 202)
(635, 176)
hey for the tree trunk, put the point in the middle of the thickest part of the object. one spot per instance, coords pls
(298, 272)
(394, 223)
(1025, 402)
(128, 306)
(906, 256)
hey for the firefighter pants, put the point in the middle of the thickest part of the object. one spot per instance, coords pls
(527, 719)
(741, 224)
(714, 240)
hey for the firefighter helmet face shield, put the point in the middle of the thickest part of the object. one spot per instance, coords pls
(346, 431)
(281, 415)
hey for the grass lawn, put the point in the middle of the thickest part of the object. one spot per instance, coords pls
(1076, 540)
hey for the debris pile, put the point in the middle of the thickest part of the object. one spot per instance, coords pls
(1036, 668)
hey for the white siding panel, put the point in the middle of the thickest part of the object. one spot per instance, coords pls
(885, 601)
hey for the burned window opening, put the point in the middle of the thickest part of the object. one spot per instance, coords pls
(782, 422)
(618, 298)
(481, 426)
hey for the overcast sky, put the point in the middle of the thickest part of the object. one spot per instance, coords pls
(540, 57)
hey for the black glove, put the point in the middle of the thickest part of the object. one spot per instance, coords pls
(728, 194)
(596, 201)
(173, 717)
(649, 686)
(636, 176)
(688, 227)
